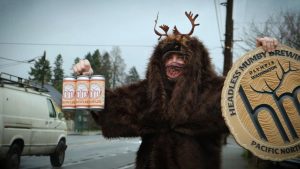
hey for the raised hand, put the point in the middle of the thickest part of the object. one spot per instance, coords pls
(267, 43)
(83, 67)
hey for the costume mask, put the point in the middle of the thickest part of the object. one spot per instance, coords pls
(173, 50)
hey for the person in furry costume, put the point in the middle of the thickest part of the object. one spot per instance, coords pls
(175, 109)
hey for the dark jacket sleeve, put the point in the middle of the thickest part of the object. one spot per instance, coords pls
(122, 107)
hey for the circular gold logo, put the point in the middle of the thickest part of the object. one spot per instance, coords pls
(261, 102)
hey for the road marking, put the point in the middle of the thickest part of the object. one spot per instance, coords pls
(127, 166)
(233, 146)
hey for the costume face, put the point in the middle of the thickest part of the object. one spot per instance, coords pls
(173, 48)
(174, 64)
(189, 69)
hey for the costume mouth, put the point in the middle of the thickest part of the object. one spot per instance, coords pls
(174, 70)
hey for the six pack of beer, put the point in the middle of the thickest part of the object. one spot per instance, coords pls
(83, 93)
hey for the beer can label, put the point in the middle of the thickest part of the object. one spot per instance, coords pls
(82, 92)
(68, 93)
(97, 92)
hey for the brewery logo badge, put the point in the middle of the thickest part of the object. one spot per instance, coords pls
(261, 102)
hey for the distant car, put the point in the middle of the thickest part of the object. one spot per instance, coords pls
(29, 124)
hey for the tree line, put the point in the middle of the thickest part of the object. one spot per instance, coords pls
(110, 65)
(284, 26)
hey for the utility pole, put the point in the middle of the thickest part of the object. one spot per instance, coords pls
(228, 37)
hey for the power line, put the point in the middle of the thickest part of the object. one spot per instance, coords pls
(9, 65)
(68, 44)
(20, 61)
(16, 62)
(219, 29)
(220, 13)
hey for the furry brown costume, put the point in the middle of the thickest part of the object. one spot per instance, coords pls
(180, 122)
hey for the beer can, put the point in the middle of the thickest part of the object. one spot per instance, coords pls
(97, 92)
(82, 92)
(68, 93)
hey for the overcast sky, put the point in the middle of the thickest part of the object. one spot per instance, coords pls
(73, 28)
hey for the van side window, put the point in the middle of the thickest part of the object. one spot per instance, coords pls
(52, 112)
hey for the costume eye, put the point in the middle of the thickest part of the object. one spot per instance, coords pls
(178, 55)
(183, 57)
(166, 56)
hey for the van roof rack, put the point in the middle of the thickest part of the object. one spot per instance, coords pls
(6, 78)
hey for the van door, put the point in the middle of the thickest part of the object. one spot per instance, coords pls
(53, 125)
(39, 136)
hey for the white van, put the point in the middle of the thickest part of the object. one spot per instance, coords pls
(29, 123)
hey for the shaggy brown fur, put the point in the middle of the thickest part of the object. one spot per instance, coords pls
(180, 122)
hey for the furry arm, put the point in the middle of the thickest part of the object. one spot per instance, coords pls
(122, 106)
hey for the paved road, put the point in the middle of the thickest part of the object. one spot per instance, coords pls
(232, 156)
(95, 152)
(88, 152)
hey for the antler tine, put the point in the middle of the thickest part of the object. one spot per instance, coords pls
(165, 28)
(192, 20)
(175, 31)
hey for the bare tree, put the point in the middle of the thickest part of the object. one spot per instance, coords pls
(117, 67)
(284, 26)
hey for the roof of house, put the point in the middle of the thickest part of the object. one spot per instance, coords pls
(55, 94)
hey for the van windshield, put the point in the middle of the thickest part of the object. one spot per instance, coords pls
(52, 112)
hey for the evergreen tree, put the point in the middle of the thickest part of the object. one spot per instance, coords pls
(118, 67)
(58, 73)
(106, 69)
(132, 76)
(87, 56)
(41, 71)
(76, 60)
(95, 62)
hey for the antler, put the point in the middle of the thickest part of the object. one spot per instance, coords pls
(165, 28)
(192, 20)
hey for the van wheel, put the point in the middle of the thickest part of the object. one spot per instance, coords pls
(57, 158)
(13, 157)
